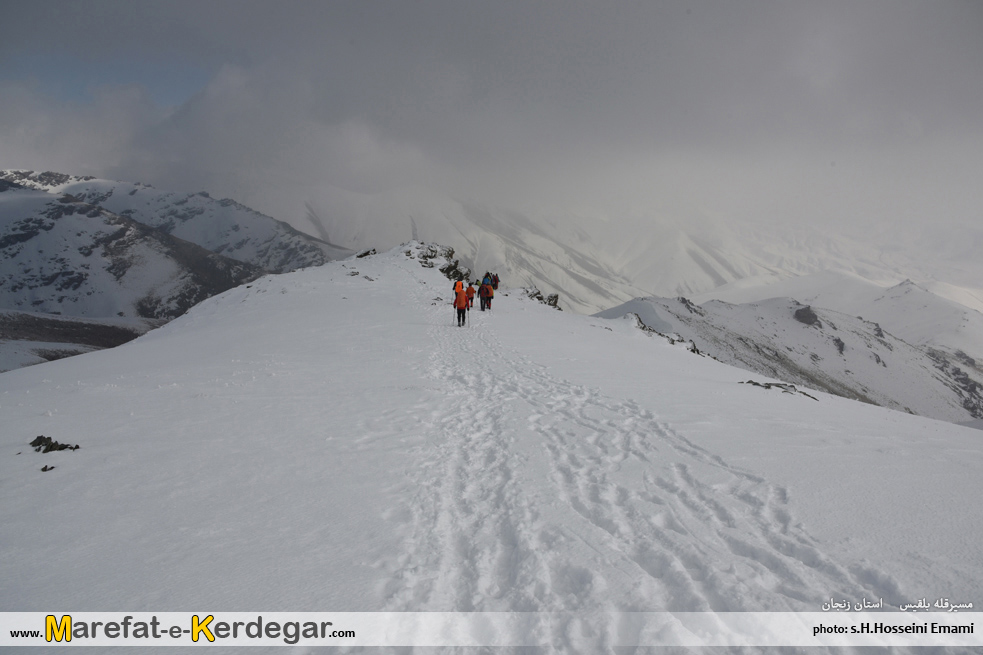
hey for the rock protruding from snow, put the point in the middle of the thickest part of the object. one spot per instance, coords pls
(550, 300)
(427, 253)
(806, 316)
(43, 444)
(786, 388)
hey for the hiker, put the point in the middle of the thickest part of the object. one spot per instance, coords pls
(489, 296)
(461, 303)
(494, 281)
(470, 293)
(483, 295)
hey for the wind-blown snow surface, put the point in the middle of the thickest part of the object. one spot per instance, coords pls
(329, 440)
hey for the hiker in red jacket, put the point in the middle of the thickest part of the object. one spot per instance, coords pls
(470, 291)
(483, 295)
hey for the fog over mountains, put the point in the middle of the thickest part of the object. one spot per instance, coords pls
(877, 336)
(595, 260)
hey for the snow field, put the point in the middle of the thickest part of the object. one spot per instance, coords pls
(320, 441)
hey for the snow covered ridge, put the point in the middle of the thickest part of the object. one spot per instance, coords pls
(222, 226)
(821, 349)
(345, 447)
(913, 312)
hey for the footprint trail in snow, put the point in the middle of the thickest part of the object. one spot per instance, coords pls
(539, 495)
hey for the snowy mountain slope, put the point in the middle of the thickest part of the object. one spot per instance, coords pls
(62, 256)
(221, 226)
(690, 254)
(327, 440)
(820, 349)
(28, 338)
(907, 310)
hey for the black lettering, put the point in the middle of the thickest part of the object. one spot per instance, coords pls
(273, 627)
(175, 632)
(235, 629)
(258, 624)
(291, 632)
(112, 629)
(310, 630)
(324, 627)
(140, 630)
(81, 630)
(221, 630)
(154, 624)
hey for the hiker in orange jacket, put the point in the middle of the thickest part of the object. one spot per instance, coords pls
(491, 294)
(461, 304)
(470, 292)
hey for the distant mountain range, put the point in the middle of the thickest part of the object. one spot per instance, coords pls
(783, 304)
(821, 349)
(927, 308)
(929, 315)
(224, 227)
(595, 262)
(83, 247)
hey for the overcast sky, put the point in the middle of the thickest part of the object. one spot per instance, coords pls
(860, 112)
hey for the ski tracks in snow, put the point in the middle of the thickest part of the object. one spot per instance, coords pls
(539, 495)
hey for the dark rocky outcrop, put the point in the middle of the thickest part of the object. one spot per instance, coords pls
(43, 444)
(806, 316)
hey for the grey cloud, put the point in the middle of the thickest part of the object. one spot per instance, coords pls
(761, 110)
